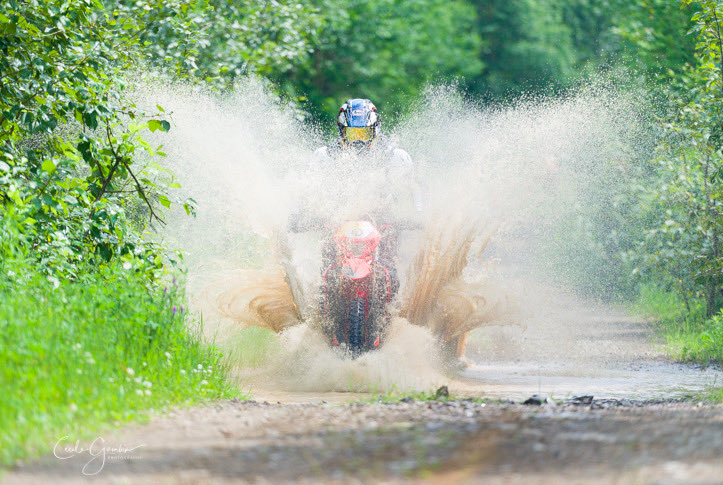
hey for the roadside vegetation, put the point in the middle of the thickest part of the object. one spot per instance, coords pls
(92, 327)
(101, 348)
(676, 261)
(92, 323)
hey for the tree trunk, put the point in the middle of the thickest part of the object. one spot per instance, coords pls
(713, 287)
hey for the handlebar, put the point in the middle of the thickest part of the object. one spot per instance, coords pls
(405, 225)
(302, 223)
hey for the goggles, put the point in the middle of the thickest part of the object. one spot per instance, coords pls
(353, 133)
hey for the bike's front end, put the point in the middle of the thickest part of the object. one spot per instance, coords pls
(357, 288)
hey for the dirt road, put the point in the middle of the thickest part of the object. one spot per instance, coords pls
(416, 442)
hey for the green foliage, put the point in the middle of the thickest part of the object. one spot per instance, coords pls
(681, 321)
(529, 45)
(683, 246)
(386, 51)
(684, 243)
(216, 41)
(393, 396)
(666, 306)
(74, 168)
(80, 302)
(702, 343)
(526, 45)
(660, 221)
(679, 253)
(652, 34)
(591, 24)
(98, 349)
(688, 335)
(251, 347)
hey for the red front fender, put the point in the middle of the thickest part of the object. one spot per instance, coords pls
(356, 269)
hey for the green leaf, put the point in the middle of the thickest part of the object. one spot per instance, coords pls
(164, 201)
(48, 166)
(162, 125)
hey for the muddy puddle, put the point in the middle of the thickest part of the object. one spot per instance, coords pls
(643, 380)
(574, 349)
(639, 380)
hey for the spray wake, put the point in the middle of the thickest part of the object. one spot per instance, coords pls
(499, 178)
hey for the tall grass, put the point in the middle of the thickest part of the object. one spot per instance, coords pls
(688, 334)
(102, 349)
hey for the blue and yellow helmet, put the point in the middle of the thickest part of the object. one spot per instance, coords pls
(358, 123)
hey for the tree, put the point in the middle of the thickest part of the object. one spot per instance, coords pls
(686, 242)
(386, 51)
(526, 45)
(652, 34)
(216, 41)
(70, 146)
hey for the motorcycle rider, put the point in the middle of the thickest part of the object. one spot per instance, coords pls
(358, 125)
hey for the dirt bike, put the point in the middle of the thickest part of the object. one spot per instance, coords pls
(357, 287)
(359, 279)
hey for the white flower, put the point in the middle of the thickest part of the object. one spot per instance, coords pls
(130, 371)
(147, 384)
(127, 265)
(199, 367)
(148, 392)
(77, 346)
(204, 382)
(138, 380)
(183, 372)
(110, 379)
(139, 392)
(168, 355)
(144, 364)
(73, 407)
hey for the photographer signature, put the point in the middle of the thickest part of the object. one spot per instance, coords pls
(97, 450)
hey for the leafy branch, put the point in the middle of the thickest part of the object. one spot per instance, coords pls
(120, 160)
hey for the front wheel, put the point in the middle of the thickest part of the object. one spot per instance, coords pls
(356, 326)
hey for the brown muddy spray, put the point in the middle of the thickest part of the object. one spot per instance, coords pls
(502, 175)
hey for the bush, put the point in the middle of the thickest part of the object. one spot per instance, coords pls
(705, 345)
(689, 336)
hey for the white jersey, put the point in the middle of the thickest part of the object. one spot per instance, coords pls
(398, 167)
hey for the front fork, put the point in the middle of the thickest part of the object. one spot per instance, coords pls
(338, 292)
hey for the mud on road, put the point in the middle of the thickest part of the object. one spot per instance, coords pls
(606, 441)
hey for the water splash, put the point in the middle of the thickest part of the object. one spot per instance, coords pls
(498, 178)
